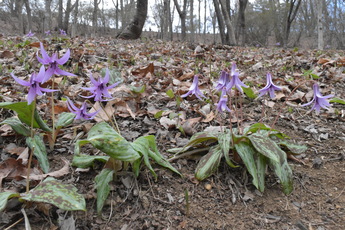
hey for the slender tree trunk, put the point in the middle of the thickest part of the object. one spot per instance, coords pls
(95, 17)
(192, 20)
(68, 11)
(182, 14)
(75, 19)
(220, 20)
(241, 24)
(231, 40)
(60, 12)
(320, 42)
(291, 15)
(47, 15)
(28, 12)
(134, 29)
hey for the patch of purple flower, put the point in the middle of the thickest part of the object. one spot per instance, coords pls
(269, 88)
(34, 84)
(194, 89)
(81, 112)
(319, 100)
(235, 80)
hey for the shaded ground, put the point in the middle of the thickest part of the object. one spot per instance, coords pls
(226, 200)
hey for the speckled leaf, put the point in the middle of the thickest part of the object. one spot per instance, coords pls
(284, 173)
(63, 196)
(266, 146)
(40, 151)
(225, 143)
(4, 197)
(85, 161)
(293, 148)
(24, 112)
(103, 137)
(17, 126)
(65, 119)
(102, 185)
(209, 163)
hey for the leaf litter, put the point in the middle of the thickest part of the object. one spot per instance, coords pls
(160, 66)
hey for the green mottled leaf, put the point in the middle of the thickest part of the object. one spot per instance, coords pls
(209, 163)
(141, 145)
(293, 148)
(24, 112)
(40, 151)
(102, 185)
(85, 161)
(65, 119)
(78, 144)
(266, 146)
(17, 126)
(337, 100)
(139, 89)
(225, 144)
(4, 197)
(103, 137)
(54, 192)
(247, 152)
(249, 92)
(255, 127)
(284, 173)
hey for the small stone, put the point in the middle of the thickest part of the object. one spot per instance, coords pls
(208, 187)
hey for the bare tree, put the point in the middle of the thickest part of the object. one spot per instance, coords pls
(220, 21)
(75, 19)
(47, 15)
(230, 36)
(68, 11)
(183, 15)
(60, 14)
(320, 43)
(135, 27)
(241, 24)
(28, 13)
(191, 19)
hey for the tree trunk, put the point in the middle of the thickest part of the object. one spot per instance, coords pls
(241, 24)
(231, 40)
(182, 14)
(95, 17)
(28, 12)
(68, 11)
(75, 19)
(134, 29)
(192, 20)
(320, 42)
(47, 16)
(291, 15)
(60, 12)
(220, 20)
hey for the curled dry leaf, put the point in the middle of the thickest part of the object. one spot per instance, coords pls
(59, 173)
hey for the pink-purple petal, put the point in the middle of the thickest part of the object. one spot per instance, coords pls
(64, 58)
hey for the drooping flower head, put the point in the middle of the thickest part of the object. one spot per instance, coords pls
(235, 80)
(81, 112)
(223, 80)
(223, 102)
(34, 84)
(54, 62)
(100, 89)
(319, 100)
(30, 34)
(269, 88)
(194, 89)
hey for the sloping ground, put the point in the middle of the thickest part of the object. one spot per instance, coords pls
(226, 200)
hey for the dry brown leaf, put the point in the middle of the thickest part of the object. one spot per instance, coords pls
(59, 173)
(6, 54)
(14, 149)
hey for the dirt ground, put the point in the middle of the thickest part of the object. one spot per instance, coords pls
(226, 200)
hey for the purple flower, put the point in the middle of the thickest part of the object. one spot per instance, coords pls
(222, 104)
(47, 32)
(30, 34)
(54, 62)
(100, 88)
(223, 80)
(235, 80)
(80, 112)
(34, 84)
(194, 89)
(269, 88)
(319, 100)
(62, 32)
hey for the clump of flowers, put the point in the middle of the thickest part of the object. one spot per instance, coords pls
(81, 112)
(269, 88)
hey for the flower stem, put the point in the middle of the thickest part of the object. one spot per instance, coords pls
(32, 133)
(53, 117)
(113, 120)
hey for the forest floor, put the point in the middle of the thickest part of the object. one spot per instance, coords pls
(226, 200)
